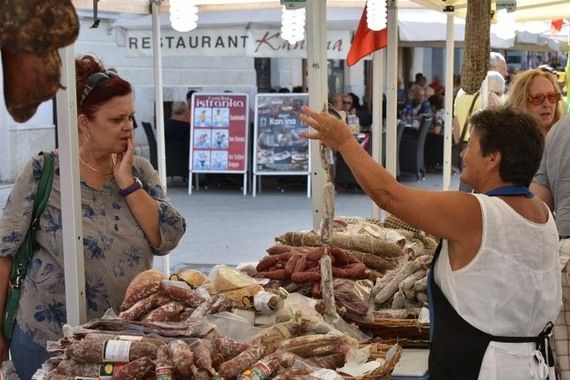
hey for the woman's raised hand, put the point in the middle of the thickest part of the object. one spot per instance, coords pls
(327, 128)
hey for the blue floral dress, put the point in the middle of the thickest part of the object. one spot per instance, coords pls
(115, 248)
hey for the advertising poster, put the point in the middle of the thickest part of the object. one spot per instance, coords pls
(219, 133)
(279, 148)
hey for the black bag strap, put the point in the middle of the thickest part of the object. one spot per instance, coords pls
(464, 129)
(21, 260)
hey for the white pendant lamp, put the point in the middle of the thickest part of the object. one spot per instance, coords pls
(376, 16)
(183, 15)
(293, 24)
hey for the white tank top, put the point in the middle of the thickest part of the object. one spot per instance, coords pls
(512, 285)
(510, 288)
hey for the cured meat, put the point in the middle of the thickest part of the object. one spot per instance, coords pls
(96, 351)
(203, 357)
(140, 293)
(136, 369)
(167, 312)
(37, 26)
(144, 306)
(72, 368)
(29, 79)
(182, 357)
(181, 292)
(233, 367)
(228, 347)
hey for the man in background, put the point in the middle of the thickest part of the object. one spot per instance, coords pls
(177, 128)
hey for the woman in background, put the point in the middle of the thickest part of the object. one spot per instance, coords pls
(536, 92)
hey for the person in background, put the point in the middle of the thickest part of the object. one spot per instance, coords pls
(177, 128)
(465, 104)
(127, 219)
(417, 107)
(420, 80)
(552, 186)
(433, 150)
(189, 103)
(436, 85)
(494, 284)
(536, 92)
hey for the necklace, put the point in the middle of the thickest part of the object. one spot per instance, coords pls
(95, 169)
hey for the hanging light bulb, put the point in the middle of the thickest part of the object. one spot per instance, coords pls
(505, 27)
(183, 15)
(376, 14)
(293, 24)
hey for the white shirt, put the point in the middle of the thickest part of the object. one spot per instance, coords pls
(510, 288)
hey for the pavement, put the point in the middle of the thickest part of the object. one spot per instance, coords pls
(226, 227)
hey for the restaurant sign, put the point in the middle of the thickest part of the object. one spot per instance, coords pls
(231, 43)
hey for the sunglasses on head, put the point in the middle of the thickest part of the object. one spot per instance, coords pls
(94, 80)
(553, 97)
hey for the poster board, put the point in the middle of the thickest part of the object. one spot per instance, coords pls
(219, 134)
(278, 147)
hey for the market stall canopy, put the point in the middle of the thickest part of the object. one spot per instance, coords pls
(417, 28)
(526, 9)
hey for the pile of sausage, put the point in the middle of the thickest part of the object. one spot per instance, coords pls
(298, 268)
(170, 301)
(274, 349)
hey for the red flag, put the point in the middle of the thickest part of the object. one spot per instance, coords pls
(366, 41)
(556, 25)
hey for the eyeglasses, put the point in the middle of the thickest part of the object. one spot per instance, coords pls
(94, 80)
(553, 98)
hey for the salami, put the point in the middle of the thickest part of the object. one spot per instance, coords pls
(167, 312)
(143, 306)
(136, 369)
(233, 367)
(203, 357)
(179, 291)
(98, 351)
(182, 357)
(140, 293)
(228, 347)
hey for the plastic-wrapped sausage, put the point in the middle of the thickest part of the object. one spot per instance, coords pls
(114, 351)
(181, 292)
(136, 369)
(278, 249)
(182, 357)
(228, 347)
(140, 293)
(233, 367)
(168, 312)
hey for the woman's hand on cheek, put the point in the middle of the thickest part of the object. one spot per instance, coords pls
(123, 166)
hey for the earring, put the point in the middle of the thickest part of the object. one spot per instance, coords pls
(87, 138)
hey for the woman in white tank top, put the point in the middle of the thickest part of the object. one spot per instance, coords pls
(496, 283)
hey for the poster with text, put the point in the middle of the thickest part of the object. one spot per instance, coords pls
(279, 148)
(219, 133)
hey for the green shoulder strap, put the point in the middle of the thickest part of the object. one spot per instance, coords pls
(25, 253)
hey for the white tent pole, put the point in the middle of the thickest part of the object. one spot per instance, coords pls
(447, 131)
(377, 91)
(316, 36)
(392, 88)
(74, 267)
(159, 107)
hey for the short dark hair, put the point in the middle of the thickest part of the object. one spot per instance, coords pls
(514, 134)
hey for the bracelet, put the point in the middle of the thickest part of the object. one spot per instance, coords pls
(136, 185)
